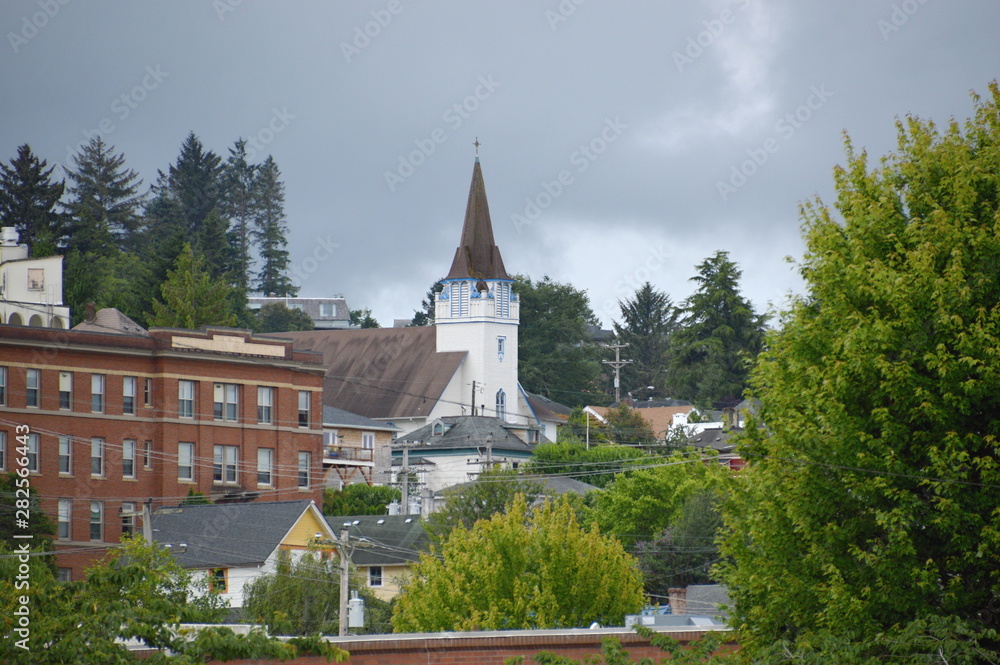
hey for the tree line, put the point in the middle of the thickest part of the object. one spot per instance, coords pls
(207, 226)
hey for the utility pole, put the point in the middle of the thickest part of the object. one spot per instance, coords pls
(147, 521)
(617, 363)
(473, 397)
(345, 572)
(405, 474)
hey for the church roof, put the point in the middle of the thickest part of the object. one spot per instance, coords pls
(381, 372)
(477, 255)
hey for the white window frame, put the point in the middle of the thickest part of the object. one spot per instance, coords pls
(97, 387)
(33, 388)
(65, 455)
(501, 405)
(3, 386)
(265, 466)
(128, 458)
(327, 310)
(226, 465)
(375, 579)
(186, 395)
(265, 405)
(147, 392)
(128, 518)
(64, 530)
(97, 508)
(305, 408)
(185, 460)
(226, 402)
(66, 391)
(368, 440)
(304, 475)
(98, 460)
(3, 450)
(130, 386)
(147, 455)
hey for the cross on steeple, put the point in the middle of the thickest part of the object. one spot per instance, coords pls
(477, 144)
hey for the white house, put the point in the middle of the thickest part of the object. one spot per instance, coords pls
(31, 290)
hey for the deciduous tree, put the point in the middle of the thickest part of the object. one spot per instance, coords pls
(867, 527)
(360, 499)
(519, 571)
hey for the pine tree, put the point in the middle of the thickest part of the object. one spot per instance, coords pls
(425, 315)
(106, 201)
(195, 183)
(718, 338)
(269, 232)
(28, 200)
(648, 319)
(191, 298)
(239, 203)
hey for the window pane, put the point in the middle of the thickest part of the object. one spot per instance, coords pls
(96, 520)
(265, 460)
(65, 454)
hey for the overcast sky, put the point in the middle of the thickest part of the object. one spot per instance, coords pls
(615, 135)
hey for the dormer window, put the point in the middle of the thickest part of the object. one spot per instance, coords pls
(438, 429)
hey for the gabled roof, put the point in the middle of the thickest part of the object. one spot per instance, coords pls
(110, 320)
(381, 372)
(716, 438)
(546, 409)
(477, 256)
(334, 417)
(227, 535)
(465, 432)
(550, 484)
(383, 540)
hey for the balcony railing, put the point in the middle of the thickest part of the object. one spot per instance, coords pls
(347, 453)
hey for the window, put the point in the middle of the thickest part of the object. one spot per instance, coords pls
(36, 279)
(224, 469)
(147, 455)
(65, 455)
(265, 463)
(265, 404)
(32, 387)
(305, 461)
(185, 399)
(97, 457)
(217, 580)
(33, 453)
(327, 310)
(501, 347)
(65, 531)
(65, 575)
(3, 385)
(368, 440)
(97, 520)
(225, 401)
(185, 461)
(501, 404)
(129, 384)
(304, 398)
(97, 393)
(128, 518)
(438, 429)
(502, 298)
(128, 458)
(66, 390)
(459, 298)
(3, 451)
(375, 576)
(147, 392)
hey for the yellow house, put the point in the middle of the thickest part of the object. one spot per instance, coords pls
(385, 547)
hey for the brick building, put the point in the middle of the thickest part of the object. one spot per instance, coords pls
(120, 416)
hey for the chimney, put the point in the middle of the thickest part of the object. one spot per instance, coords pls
(91, 312)
(728, 418)
(678, 600)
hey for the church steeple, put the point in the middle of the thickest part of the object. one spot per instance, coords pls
(477, 256)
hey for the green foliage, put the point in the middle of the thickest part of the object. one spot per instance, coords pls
(556, 357)
(362, 318)
(303, 597)
(195, 498)
(270, 230)
(42, 529)
(596, 465)
(648, 319)
(239, 206)
(138, 593)
(642, 503)
(718, 339)
(869, 507)
(628, 427)
(425, 315)
(28, 200)
(695, 652)
(191, 298)
(277, 317)
(359, 499)
(519, 571)
(492, 492)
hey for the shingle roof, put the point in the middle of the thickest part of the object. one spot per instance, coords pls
(381, 372)
(340, 418)
(477, 255)
(719, 439)
(546, 409)
(383, 540)
(707, 599)
(110, 320)
(467, 432)
(226, 534)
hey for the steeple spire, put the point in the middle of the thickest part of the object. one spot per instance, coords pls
(477, 256)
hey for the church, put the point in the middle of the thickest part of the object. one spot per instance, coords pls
(464, 364)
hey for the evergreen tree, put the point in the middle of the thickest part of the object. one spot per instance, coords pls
(425, 315)
(191, 298)
(648, 319)
(718, 339)
(239, 206)
(213, 246)
(277, 317)
(105, 201)
(269, 232)
(362, 318)
(28, 200)
(195, 181)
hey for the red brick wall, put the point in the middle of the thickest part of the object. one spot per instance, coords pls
(88, 354)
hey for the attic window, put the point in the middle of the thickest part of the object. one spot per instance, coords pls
(438, 429)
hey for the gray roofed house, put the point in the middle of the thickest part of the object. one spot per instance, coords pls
(110, 320)
(326, 313)
(356, 449)
(385, 547)
(239, 539)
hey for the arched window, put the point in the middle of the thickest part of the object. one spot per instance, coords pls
(501, 404)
